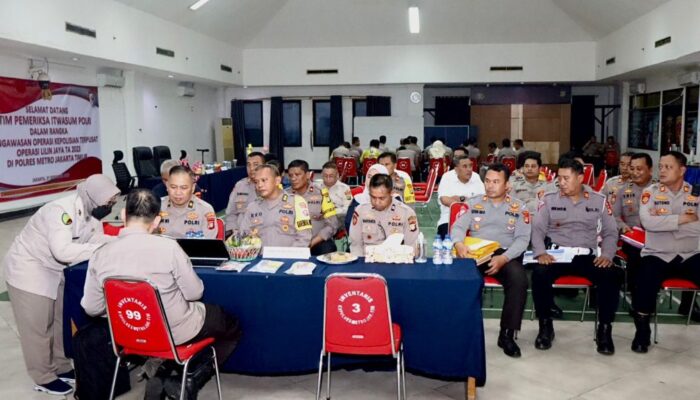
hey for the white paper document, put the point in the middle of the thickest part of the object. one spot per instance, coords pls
(301, 268)
(561, 255)
(266, 266)
(232, 266)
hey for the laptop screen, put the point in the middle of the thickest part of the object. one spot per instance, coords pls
(204, 248)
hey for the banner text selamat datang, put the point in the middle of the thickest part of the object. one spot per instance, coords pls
(48, 142)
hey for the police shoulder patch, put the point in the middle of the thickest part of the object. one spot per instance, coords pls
(66, 219)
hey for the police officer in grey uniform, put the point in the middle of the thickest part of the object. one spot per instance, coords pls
(625, 205)
(243, 193)
(63, 232)
(277, 217)
(504, 219)
(613, 184)
(324, 219)
(570, 218)
(669, 213)
(384, 215)
(182, 213)
(528, 187)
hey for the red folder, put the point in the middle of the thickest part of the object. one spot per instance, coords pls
(636, 237)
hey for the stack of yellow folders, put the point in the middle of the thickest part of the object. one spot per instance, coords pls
(480, 250)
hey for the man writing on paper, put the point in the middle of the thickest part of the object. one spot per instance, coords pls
(503, 219)
(569, 218)
(384, 215)
(324, 220)
(625, 205)
(669, 213)
(277, 217)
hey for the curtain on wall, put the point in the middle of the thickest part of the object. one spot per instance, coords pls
(239, 142)
(276, 129)
(378, 106)
(337, 134)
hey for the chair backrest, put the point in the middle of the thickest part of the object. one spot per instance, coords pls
(122, 176)
(111, 230)
(118, 156)
(602, 177)
(475, 164)
(137, 320)
(457, 209)
(509, 162)
(490, 159)
(404, 164)
(220, 229)
(350, 167)
(588, 174)
(438, 164)
(143, 162)
(160, 154)
(356, 312)
(357, 190)
(367, 163)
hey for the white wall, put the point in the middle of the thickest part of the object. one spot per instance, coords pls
(400, 106)
(146, 112)
(124, 35)
(633, 45)
(542, 62)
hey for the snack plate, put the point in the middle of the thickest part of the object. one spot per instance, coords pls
(326, 258)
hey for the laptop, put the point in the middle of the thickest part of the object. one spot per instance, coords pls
(204, 252)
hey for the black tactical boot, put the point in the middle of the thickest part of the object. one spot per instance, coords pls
(604, 340)
(506, 341)
(642, 337)
(545, 335)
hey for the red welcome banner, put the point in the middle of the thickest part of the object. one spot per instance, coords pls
(49, 140)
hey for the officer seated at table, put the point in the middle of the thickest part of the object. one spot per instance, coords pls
(243, 193)
(384, 215)
(161, 189)
(138, 254)
(506, 220)
(184, 215)
(669, 213)
(278, 218)
(569, 218)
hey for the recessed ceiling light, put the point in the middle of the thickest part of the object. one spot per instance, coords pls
(199, 3)
(413, 20)
(76, 59)
(171, 76)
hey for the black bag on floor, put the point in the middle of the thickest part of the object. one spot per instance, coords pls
(94, 361)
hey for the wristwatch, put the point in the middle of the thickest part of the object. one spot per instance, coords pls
(462, 198)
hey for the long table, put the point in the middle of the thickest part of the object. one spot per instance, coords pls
(438, 308)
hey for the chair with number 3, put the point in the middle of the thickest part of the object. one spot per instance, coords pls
(357, 321)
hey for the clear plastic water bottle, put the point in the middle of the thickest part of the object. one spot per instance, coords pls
(420, 249)
(437, 250)
(447, 250)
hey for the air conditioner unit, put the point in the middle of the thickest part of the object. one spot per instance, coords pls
(110, 80)
(689, 79)
(185, 89)
(638, 87)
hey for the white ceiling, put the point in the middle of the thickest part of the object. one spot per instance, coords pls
(329, 23)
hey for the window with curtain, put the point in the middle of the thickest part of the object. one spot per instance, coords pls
(253, 117)
(291, 122)
(322, 123)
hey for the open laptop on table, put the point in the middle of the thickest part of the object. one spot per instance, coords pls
(204, 252)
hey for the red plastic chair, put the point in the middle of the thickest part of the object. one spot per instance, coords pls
(357, 321)
(475, 165)
(676, 285)
(424, 193)
(350, 170)
(139, 326)
(588, 174)
(600, 183)
(438, 164)
(490, 159)
(111, 230)
(340, 163)
(404, 164)
(220, 229)
(509, 162)
(572, 282)
(357, 190)
(366, 164)
(456, 210)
